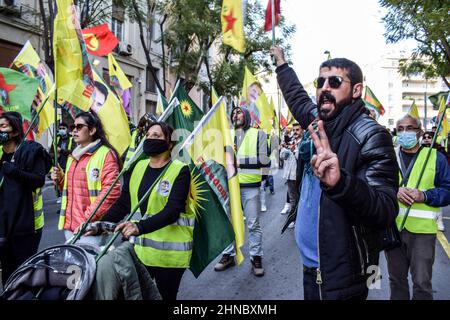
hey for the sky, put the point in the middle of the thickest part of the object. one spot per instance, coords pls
(347, 28)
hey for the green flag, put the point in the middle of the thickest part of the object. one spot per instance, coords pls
(17, 92)
(186, 113)
(436, 98)
(214, 181)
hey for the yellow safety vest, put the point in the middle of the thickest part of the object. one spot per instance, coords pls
(248, 148)
(421, 217)
(132, 146)
(69, 145)
(171, 246)
(93, 175)
(38, 204)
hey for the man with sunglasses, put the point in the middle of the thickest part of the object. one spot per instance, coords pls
(349, 184)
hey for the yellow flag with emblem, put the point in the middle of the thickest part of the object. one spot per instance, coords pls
(73, 72)
(255, 100)
(212, 144)
(113, 117)
(29, 63)
(233, 24)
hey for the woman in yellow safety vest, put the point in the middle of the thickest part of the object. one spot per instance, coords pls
(163, 225)
(22, 175)
(90, 171)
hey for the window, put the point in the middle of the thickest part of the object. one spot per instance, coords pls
(150, 82)
(117, 29)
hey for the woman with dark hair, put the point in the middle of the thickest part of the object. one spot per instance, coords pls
(22, 172)
(90, 171)
(164, 225)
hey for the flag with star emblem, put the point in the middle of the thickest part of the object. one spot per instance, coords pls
(17, 92)
(99, 40)
(186, 114)
(233, 24)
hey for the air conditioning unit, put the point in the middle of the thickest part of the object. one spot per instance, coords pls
(126, 49)
(10, 7)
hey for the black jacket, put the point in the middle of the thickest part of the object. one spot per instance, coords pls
(31, 163)
(353, 214)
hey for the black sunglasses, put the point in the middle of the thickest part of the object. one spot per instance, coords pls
(79, 126)
(427, 137)
(333, 81)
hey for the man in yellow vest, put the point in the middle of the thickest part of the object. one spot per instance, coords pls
(251, 147)
(418, 238)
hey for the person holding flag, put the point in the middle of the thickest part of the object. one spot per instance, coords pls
(424, 192)
(251, 152)
(165, 224)
(90, 171)
(22, 172)
(350, 181)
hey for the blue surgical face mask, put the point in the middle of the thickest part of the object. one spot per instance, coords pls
(407, 139)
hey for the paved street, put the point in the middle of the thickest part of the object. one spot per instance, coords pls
(283, 278)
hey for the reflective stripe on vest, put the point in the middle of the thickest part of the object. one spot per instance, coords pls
(248, 148)
(421, 217)
(171, 246)
(94, 164)
(132, 146)
(38, 205)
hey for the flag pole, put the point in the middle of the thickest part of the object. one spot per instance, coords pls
(424, 165)
(273, 28)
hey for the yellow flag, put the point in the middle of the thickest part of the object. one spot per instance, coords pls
(213, 143)
(444, 131)
(113, 117)
(275, 122)
(29, 63)
(73, 72)
(116, 73)
(413, 111)
(233, 24)
(255, 100)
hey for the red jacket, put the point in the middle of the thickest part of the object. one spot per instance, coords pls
(78, 204)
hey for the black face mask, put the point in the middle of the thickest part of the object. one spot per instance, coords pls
(153, 147)
(4, 137)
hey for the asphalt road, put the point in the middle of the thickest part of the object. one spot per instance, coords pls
(282, 262)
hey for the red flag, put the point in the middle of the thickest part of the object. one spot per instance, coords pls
(26, 125)
(283, 121)
(99, 40)
(268, 23)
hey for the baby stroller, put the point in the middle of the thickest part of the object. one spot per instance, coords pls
(63, 272)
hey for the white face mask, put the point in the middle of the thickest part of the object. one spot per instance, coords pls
(62, 132)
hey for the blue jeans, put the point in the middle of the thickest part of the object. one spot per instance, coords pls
(269, 183)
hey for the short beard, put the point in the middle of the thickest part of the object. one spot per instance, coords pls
(326, 115)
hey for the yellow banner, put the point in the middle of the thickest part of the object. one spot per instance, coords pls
(256, 102)
(113, 116)
(233, 24)
(73, 73)
(214, 142)
(29, 63)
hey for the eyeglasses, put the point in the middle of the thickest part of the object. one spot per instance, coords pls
(333, 81)
(427, 137)
(409, 128)
(79, 126)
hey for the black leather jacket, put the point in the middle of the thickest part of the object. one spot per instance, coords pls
(354, 213)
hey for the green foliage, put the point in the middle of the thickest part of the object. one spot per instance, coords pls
(428, 23)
